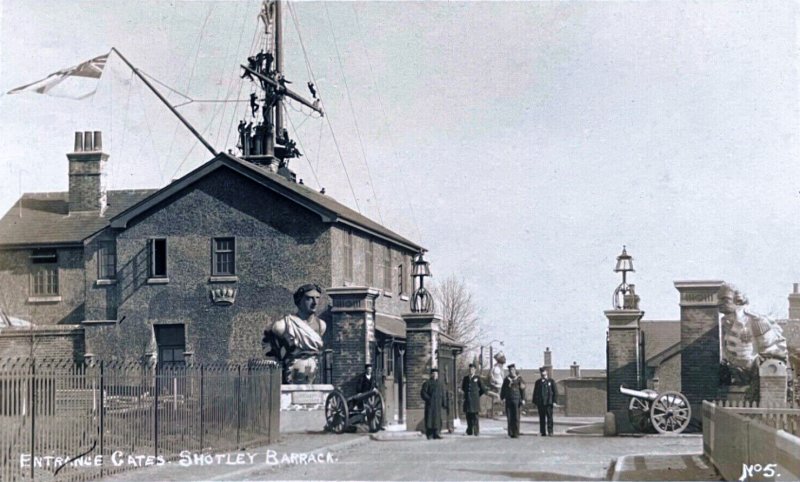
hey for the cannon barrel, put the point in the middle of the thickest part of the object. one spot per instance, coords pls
(361, 396)
(638, 394)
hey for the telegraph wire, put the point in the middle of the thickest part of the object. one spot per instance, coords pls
(327, 118)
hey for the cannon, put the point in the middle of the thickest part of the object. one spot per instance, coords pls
(667, 412)
(342, 413)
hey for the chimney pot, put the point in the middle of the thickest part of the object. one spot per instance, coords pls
(98, 141)
(797, 288)
(78, 142)
(87, 141)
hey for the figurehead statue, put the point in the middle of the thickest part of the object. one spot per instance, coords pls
(296, 340)
(747, 338)
(498, 372)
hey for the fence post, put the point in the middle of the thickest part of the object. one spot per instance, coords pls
(102, 411)
(238, 404)
(32, 398)
(155, 410)
(202, 428)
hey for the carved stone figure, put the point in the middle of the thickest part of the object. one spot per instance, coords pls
(747, 339)
(296, 340)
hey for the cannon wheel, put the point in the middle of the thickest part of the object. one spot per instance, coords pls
(374, 411)
(639, 412)
(670, 413)
(336, 413)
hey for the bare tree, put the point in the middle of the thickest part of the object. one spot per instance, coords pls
(460, 314)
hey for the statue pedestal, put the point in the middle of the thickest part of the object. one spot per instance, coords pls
(303, 407)
(772, 384)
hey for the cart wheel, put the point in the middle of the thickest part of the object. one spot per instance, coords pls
(373, 411)
(670, 413)
(639, 412)
(336, 413)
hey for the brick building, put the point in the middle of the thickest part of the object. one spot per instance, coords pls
(198, 269)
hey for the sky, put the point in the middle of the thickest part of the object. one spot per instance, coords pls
(522, 143)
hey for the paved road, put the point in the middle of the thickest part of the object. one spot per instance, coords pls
(492, 456)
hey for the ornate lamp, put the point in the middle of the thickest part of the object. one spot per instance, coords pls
(421, 301)
(624, 296)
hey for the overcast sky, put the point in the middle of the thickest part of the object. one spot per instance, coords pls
(521, 143)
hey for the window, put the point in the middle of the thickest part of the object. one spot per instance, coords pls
(401, 276)
(348, 255)
(387, 268)
(107, 260)
(223, 257)
(44, 275)
(158, 258)
(171, 341)
(370, 262)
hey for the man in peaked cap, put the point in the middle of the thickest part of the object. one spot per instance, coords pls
(544, 397)
(433, 394)
(513, 393)
(473, 388)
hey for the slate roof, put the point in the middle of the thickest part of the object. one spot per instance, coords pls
(326, 206)
(44, 218)
(659, 336)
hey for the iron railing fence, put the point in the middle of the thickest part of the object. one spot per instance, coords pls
(82, 421)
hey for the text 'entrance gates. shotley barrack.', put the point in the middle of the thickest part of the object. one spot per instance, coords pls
(54, 410)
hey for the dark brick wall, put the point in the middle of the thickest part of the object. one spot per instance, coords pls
(583, 397)
(348, 341)
(279, 246)
(60, 343)
(15, 277)
(390, 301)
(622, 343)
(699, 355)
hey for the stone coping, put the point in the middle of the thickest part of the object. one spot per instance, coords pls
(40, 330)
(317, 387)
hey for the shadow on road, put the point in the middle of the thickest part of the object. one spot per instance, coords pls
(529, 475)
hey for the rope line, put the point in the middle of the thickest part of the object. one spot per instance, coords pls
(327, 118)
(353, 113)
(386, 120)
(297, 135)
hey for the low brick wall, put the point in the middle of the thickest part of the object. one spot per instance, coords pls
(44, 342)
(732, 440)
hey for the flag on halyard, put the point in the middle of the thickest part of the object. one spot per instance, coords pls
(76, 82)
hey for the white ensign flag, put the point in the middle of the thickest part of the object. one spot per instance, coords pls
(76, 82)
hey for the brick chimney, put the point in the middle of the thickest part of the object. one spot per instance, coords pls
(575, 370)
(87, 174)
(794, 302)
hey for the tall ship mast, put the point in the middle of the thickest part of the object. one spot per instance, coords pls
(263, 139)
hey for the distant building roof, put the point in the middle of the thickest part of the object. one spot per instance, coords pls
(44, 218)
(563, 373)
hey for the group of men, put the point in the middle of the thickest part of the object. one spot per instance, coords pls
(512, 392)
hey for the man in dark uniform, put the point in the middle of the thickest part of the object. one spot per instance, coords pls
(473, 388)
(433, 395)
(366, 382)
(544, 396)
(513, 392)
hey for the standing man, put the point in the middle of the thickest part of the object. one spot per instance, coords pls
(433, 395)
(366, 381)
(497, 375)
(544, 396)
(513, 392)
(472, 387)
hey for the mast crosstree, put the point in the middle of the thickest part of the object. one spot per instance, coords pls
(267, 142)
